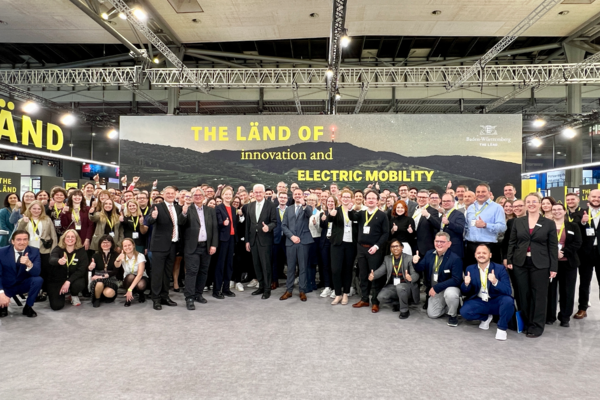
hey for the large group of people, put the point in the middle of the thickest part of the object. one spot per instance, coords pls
(462, 253)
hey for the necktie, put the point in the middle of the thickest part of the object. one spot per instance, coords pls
(297, 209)
(20, 255)
(258, 210)
(173, 221)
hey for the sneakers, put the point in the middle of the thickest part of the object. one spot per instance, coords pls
(253, 283)
(75, 300)
(452, 321)
(352, 292)
(239, 287)
(326, 292)
(332, 295)
(231, 284)
(500, 335)
(485, 325)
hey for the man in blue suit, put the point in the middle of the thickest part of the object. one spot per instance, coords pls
(493, 297)
(442, 277)
(453, 223)
(298, 240)
(279, 256)
(20, 268)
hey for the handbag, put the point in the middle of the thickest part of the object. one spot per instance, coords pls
(47, 244)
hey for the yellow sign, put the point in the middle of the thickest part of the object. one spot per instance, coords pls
(69, 185)
(54, 135)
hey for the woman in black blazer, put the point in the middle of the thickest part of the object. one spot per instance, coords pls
(343, 247)
(227, 219)
(533, 253)
(569, 241)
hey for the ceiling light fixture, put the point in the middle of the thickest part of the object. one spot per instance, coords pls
(156, 60)
(68, 119)
(140, 14)
(113, 134)
(338, 96)
(536, 141)
(563, 13)
(122, 15)
(436, 12)
(31, 107)
(569, 133)
(329, 73)
(539, 122)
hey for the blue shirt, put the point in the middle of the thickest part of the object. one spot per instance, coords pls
(492, 214)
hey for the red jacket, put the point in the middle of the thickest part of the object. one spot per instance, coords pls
(87, 226)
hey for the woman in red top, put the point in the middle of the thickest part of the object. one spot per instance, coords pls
(75, 215)
(228, 220)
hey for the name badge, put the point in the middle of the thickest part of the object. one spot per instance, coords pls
(366, 230)
(473, 223)
(57, 223)
(446, 271)
(588, 232)
(560, 246)
(347, 229)
(112, 234)
(435, 277)
(78, 226)
(135, 235)
(570, 232)
(396, 281)
(485, 296)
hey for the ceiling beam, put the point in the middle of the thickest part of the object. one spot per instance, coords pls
(95, 61)
(216, 60)
(253, 57)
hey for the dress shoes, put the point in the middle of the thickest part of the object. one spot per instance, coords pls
(142, 297)
(156, 305)
(565, 324)
(274, 285)
(257, 292)
(336, 300)
(532, 335)
(168, 302)
(360, 304)
(303, 296)
(96, 302)
(189, 303)
(404, 315)
(41, 298)
(266, 295)
(228, 293)
(286, 295)
(200, 299)
(375, 309)
(28, 312)
(218, 295)
(177, 290)
(581, 314)
(127, 303)
(396, 307)
(3, 312)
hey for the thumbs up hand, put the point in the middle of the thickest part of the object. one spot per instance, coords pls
(416, 258)
(121, 216)
(265, 228)
(492, 277)
(585, 218)
(25, 259)
(371, 275)
(226, 222)
(409, 229)
(65, 209)
(480, 223)
(185, 208)
(424, 212)
(445, 220)
(155, 213)
(63, 260)
(407, 276)
(324, 217)
(26, 220)
(468, 279)
(92, 265)
(121, 257)
(394, 227)
(333, 213)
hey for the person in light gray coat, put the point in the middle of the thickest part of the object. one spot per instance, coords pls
(402, 279)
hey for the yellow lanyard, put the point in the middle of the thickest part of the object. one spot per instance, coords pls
(417, 213)
(368, 219)
(69, 263)
(146, 211)
(281, 214)
(561, 231)
(135, 223)
(75, 216)
(346, 218)
(480, 211)
(452, 210)
(592, 216)
(437, 264)
(35, 228)
(569, 214)
(484, 278)
(56, 210)
(109, 222)
(132, 265)
(397, 268)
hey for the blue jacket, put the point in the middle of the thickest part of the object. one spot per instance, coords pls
(278, 231)
(6, 225)
(222, 215)
(449, 273)
(297, 226)
(10, 274)
(501, 289)
(456, 230)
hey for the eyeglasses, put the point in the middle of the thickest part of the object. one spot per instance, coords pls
(395, 246)
(422, 197)
(198, 195)
(441, 241)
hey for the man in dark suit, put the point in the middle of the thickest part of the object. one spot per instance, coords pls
(20, 268)
(201, 235)
(403, 195)
(262, 219)
(427, 222)
(278, 257)
(298, 240)
(163, 246)
(453, 223)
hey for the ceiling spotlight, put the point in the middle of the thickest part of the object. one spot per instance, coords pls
(30, 107)
(122, 15)
(337, 95)
(329, 73)
(155, 60)
(345, 40)
(539, 122)
(563, 13)
(569, 133)
(67, 119)
(536, 141)
(436, 12)
(112, 134)
(140, 14)
(104, 15)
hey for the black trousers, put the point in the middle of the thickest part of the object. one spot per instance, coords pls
(586, 271)
(196, 270)
(342, 261)
(366, 263)
(162, 271)
(469, 258)
(533, 290)
(224, 268)
(278, 259)
(261, 258)
(325, 262)
(57, 300)
(564, 283)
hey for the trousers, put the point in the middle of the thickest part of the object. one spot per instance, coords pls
(533, 291)
(196, 270)
(297, 254)
(162, 271)
(397, 294)
(479, 310)
(444, 302)
(366, 263)
(31, 286)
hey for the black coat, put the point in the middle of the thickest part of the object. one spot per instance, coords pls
(254, 232)
(337, 229)
(191, 222)
(162, 233)
(573, 242)
(542, 241)
(427, 228)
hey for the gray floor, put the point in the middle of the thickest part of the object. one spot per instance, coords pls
(248, 348)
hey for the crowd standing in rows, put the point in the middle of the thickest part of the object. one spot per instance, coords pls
(468, 254)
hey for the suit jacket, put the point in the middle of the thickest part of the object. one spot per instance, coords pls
(337, 229)
(379, 228)
(412, 205)
(297, 225)
(191, 223)
(506, 238)
(387, 268)
(12, 274)
(587, 247)
(427, 229)
(456, 230)
(573, 242)
(225, 230)
(450, 272)
(269, 216)
(48, 233)
(60, 273)
(278, 230)
(542, 241)
(502, 288)
(162, 233)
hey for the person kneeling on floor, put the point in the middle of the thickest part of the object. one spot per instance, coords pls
(488, 291)
(401, 278)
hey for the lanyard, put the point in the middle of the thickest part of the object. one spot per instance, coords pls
(109, 222)
(368, 219)
(592, 216)
(482, 208)
(145, 212)
(397, 268)
(484, 279)
(69, 263)
(437, 264)
(346, 218)
(417, 213)
(132, 265)
(75, 215)
(569, 214)
(56, 210)
(448, 215)
(135, 223)
(281, 212)
(106, 260)
(561, 231)
(35, 228)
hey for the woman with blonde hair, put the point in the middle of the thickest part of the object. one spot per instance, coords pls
(133, 225)
(134, 271)
(107, 223)
(68, 270)
(19, 211)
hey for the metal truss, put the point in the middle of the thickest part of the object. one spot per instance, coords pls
(297, 98)
(380, 77)
(335, 51)
(147, 97)
(506, 41)
(361, 98)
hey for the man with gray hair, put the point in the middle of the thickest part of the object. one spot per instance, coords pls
(442, 276)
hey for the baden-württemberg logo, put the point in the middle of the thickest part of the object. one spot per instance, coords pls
(488, 130)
